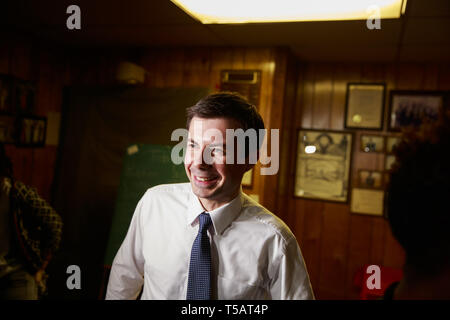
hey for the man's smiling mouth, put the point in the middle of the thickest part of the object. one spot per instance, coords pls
(205, 179)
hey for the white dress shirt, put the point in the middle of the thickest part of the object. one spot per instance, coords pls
(254, 254)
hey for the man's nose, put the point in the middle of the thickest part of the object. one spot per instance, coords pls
(199, 157)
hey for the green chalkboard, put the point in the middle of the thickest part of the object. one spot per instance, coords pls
(144, 166)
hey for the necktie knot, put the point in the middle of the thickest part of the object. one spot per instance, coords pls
(205, 222)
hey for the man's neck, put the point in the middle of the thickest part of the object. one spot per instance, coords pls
(210, 204)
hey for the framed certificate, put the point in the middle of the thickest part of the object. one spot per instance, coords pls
(367, 201)
(365, 106)
(323, 165)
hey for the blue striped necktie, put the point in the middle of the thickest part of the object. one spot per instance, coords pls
(199, 281)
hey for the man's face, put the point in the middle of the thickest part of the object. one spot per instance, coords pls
(213, 181)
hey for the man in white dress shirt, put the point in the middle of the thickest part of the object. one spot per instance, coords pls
(254, 255)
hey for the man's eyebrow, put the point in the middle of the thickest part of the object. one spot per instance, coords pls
(217, 145)
(223, 145)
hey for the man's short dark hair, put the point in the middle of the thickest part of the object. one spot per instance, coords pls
(228, 105)
(418, 196)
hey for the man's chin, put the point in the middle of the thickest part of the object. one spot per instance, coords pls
(203, 192)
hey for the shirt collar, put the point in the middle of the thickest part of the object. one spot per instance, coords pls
(221, 217)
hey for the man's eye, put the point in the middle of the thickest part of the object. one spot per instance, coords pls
(191, 145)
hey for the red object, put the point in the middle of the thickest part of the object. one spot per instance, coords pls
(387, 277)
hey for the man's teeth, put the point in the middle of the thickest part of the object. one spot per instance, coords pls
(204, 179)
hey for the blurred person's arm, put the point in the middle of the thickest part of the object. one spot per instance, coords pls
(47, 221)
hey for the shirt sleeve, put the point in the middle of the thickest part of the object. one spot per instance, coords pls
(46, 218)
(291, 282)
(127, 271)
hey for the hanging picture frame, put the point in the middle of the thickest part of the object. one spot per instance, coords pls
(392, 143)
(372, 143)
(32, 131)
(367, 201)
(370, 179)
(323, 165)
(364, 106)
(411, 108)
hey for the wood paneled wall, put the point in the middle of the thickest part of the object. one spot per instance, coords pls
(334, 242)
(46, 67)
(201, 67)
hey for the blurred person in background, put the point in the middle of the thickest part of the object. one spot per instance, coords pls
(418, 211)
(30, 233)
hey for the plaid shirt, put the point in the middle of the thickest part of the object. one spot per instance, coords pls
(37, 226)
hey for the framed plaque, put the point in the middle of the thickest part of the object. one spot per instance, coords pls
(370, 179)
(365, 106)
(367, 201)
(323, 165)
(391, 144)
(32, 131)
(389, 161)
(412, 108)
(372, 143)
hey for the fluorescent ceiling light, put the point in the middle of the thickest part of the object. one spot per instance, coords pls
(251, 11)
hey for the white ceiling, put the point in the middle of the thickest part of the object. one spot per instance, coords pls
(423, 34)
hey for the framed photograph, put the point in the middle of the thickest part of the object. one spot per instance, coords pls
(388, 162)
(391, 144)
(372, 143)
(365, 106)
(7, 129)
(32, 131)
(6, 94)
(370, 179)
(247, 179)
(323, 165)
(412, 108)
(367, 201)
(24, 97)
